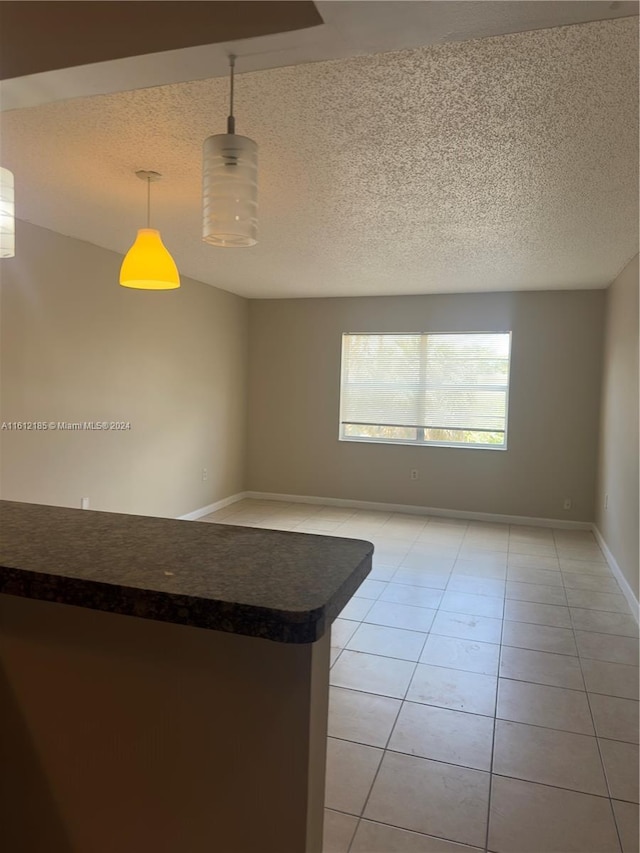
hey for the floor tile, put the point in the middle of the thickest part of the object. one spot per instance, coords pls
(541, 549)
(612, 679)
(472, 604)
(626, 815)
(595, 583)
(417, 596)
(467, 655)
(480, 568)
(605, 623)
(339, 829)
(476, 585)
(341, 632)
(539, 593)
(372, 674)
(416, 577)
(390, 642)
(583, 567)
(370, 589)
(621, 768)
(378, 838)
(607, 647)
(356, 609)
(453, 688)
(534, 561)
(531, 818)
(431, 797)
(351, 769)
(486, 552)
(540, 668)
(591, 600)
(482, 558)
(542, 638)
(401, 616)
(390, 552)
(539, 614)
(550, 757)
(380, 572)
(435, 548)
(540, 705)
(615, 718)
(428, 563)
(443, 735)
(537, 576)
(590, 555)
(484, 629)
(361, 717)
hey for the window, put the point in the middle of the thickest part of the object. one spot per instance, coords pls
(450, 389)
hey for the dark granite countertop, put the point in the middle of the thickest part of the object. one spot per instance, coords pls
(281, 586)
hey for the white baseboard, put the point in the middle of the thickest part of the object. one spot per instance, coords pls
(206, 510)
(424, 510)
(628, 593)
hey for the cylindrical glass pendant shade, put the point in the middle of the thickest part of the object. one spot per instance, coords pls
(148, 265)
(230, 190)
(7, 215)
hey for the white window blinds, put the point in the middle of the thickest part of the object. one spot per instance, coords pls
(450, 388)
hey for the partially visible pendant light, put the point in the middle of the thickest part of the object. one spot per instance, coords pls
(7, 215)
(148, 265)
(230, 185)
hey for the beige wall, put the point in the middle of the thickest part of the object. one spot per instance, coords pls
(78, 347)
(294, 379)
(618, 463)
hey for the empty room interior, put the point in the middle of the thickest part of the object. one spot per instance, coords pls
(319, 444)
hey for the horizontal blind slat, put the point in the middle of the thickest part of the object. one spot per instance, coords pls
(451, 381)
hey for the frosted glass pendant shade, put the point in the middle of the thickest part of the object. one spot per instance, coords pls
(148, 265)
(230, 190)
(7, 215)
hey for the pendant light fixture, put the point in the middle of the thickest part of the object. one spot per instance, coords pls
(148, 265)
(7, 215)
(230, 185)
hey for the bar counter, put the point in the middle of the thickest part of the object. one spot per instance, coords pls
(163, 683)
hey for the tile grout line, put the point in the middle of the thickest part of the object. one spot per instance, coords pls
(373, 781)
(593, 723)
(404, 699)
(495, 719)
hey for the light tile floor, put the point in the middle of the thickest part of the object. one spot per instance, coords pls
(484, 688)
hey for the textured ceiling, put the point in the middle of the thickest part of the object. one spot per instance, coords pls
(497, 164)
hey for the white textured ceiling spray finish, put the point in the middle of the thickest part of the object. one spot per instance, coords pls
(500, 164)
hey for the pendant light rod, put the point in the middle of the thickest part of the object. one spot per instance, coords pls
(231, 122)
(149, 177)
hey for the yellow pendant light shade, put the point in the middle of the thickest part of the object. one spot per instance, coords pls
(148, 265)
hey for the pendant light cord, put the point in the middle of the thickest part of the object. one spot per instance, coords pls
(231, 122)
(148, 202)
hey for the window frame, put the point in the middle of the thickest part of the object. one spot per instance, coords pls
(421, 442)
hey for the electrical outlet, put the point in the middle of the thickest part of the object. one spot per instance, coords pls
(414, 474)
(205, 475)
(567, 503)
(606, 501)
(84, 503)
